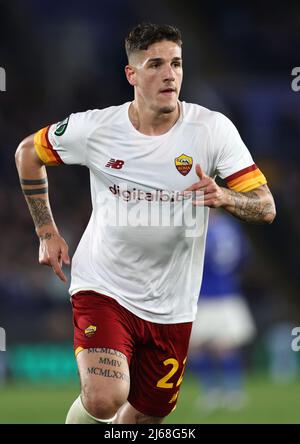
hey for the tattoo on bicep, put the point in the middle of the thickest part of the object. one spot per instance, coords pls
(40, 211)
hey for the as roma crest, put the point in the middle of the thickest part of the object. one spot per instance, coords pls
(184, 164)
(90, 330)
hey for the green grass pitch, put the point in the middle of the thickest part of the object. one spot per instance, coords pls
(268, 403)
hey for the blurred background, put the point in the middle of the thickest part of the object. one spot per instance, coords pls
(68, 56)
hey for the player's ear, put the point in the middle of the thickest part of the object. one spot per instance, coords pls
(130, 74)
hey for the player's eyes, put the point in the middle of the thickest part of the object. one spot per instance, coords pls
(157, 65)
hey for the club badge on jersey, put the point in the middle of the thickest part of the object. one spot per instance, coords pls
(184, 164)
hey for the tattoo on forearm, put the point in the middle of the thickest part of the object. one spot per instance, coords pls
(108, 351)
(250, 207)
(34, 191)
(40, 211)
(108, 373)
(34, 181)
(46, 236)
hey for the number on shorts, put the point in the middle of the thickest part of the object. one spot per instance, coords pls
(181, 376)
(163, 382)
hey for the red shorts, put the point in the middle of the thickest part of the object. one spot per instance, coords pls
(156, 353)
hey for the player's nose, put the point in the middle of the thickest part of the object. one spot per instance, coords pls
(168, 74)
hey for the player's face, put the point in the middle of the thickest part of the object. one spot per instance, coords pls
(157, 76)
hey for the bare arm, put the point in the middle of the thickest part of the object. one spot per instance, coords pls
(33, 179)
(256, 206)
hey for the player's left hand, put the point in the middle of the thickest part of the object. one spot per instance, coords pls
(207, 192)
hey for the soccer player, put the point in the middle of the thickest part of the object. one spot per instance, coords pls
(135, 288)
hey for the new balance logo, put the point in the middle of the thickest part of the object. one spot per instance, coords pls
(115, 163)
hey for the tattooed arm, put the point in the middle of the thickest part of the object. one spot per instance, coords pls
(53, 249)
(256, 206)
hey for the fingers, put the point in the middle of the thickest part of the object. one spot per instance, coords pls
(55, 256)
(64, 255)
(57, 268)
(201, 187)
(211, 200)
(197, 187)
(199, 172)
(56, 264)
(206, 186)
(203, 182)
(204, 200)
(206, 192)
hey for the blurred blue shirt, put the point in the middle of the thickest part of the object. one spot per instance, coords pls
(226, 249)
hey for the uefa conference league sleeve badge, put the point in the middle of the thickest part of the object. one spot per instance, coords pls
(61, 127)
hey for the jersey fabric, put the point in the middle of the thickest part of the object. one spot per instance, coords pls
(154, 271)
(156, 353)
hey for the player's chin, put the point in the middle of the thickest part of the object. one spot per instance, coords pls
(167, 108)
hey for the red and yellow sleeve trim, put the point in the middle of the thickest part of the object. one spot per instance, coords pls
(246, 179)
(44, 148)
(78, 350)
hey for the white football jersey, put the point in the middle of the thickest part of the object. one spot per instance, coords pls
(144, 244)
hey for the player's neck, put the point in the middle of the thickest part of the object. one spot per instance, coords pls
(151, 123)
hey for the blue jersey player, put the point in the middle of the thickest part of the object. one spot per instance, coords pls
(223, 323)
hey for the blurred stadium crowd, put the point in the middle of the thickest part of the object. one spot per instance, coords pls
(63, 57)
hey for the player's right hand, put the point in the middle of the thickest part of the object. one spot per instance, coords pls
(53, 252)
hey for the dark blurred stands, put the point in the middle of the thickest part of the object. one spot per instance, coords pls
(61, 59)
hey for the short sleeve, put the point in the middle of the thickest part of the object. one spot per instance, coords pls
(64, 142)
(234, 162)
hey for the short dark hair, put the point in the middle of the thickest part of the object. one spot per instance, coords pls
(145, 34)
